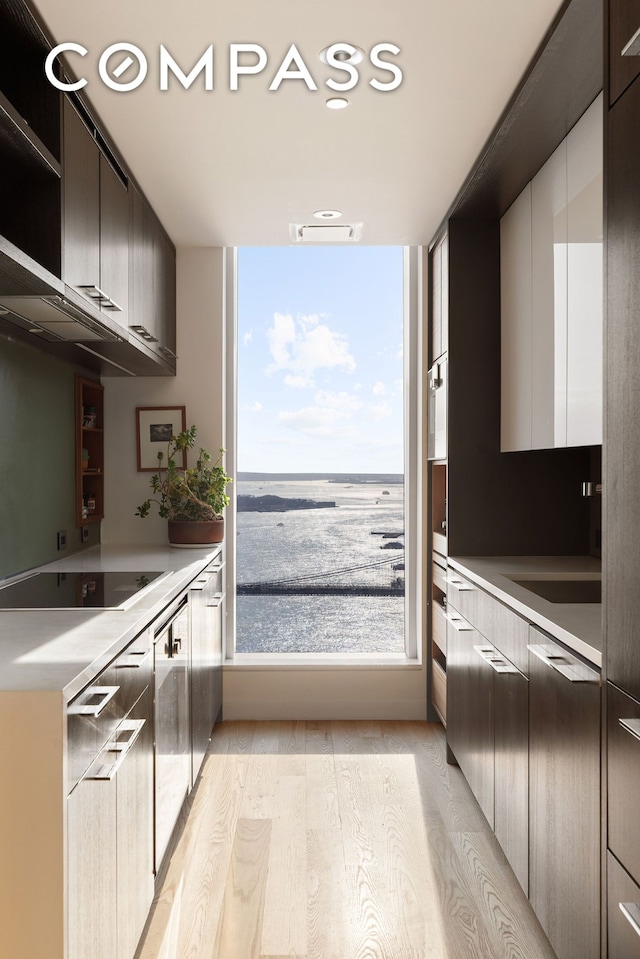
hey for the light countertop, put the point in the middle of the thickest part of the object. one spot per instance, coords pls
(577, 625)
(61, 650)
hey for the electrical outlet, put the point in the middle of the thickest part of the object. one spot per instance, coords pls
(84, 534)
(62, 539)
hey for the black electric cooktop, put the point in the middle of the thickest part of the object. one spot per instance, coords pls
(75, 590)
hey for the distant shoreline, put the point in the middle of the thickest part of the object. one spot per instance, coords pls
(277, 504)
(386, 479)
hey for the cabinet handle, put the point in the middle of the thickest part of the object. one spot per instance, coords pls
(106, 694)
(112, 305)
(631, 912)
(216, 601)
(460, 584)
(93, 291)
(631, 49)
(571, 669)
(168, 352)
(631, 726)
(214, 568)
(133, 726)
(497, 662)
(435, 380)
(143, 332)
(458, 623)
(136, 659)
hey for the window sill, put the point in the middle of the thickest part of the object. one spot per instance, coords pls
(321, 661)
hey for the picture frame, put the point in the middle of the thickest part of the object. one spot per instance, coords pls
(155, 425)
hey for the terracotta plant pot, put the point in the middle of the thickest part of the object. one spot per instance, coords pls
(187, 533)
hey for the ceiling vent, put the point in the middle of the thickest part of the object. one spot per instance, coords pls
(326, 232)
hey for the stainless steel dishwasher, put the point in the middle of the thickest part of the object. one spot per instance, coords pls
(171, 723)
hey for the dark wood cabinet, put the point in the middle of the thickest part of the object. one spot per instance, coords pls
(470, 723)
(488, 725)
(30, 214)
(623, 778)
(96, 221)
(511, 768)
(622, 463)
(152, 305)
(564, 823)
(206, 610)
(624, 22)
(623, 901)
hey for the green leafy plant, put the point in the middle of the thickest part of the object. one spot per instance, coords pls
(196, 494)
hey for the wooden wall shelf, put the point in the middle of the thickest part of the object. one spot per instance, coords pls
(89, 481)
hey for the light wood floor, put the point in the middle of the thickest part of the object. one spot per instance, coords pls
(337, 840)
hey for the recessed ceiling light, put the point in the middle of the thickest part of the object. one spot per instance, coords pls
(337, 103)
(327, 214)
(344, 52)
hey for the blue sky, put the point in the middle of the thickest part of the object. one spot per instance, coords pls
(320, 359)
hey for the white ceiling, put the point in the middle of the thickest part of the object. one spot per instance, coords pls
(235, 169)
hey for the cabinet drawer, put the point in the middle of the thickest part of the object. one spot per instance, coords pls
(462, 596)
(623, 730)
(439, 689)
(504, 628)
(622, 896)
(439, 626)
(439, 576)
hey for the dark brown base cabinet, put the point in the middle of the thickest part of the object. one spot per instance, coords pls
(564, 809)
(623, 908)
(488, 733)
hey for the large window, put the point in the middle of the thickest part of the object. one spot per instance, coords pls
(320, 451)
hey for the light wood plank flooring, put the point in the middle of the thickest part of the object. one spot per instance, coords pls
(337, 840)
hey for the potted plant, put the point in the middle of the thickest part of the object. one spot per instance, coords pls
(191, 499)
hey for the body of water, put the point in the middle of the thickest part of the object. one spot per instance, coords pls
(331, 546)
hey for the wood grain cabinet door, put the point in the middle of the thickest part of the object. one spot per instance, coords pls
(623, 912)
(511, 720)
(624, 21)
(622, 465)
(564, 803)
(81, 191)
(470, 730)
(114, 243)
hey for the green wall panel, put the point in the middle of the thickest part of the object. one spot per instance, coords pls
(37, 457)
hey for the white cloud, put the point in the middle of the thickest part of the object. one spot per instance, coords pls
(379, 389)
(298, 382)
(304, 345)
(379, 411)
(338, 401)
(312, 420)
(257, 406)
(247, 337)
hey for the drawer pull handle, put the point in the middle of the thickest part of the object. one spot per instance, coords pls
(112, 305)
(460, 585)
(94, 291)
(631, 726)
(119, 747)
(632, 47)
(497, 662)
(563, 663)
(215, 601)
(105, 694)
(631, 912)
(134, 659)
(458, 624)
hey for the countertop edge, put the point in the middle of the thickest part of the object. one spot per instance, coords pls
(535, 617)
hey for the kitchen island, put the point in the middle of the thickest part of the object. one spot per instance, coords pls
(49, 659)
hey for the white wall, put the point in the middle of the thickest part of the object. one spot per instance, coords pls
(199, 385)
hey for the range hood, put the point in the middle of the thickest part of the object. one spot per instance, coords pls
(53, 318)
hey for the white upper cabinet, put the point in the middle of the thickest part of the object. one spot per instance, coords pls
(584, 286)
(551, 253)
(515, 296)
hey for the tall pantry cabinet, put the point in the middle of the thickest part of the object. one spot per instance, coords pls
(621, 484)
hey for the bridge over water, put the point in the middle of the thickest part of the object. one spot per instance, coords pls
(382, 578)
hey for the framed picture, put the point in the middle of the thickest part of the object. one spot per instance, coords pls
(155, 425)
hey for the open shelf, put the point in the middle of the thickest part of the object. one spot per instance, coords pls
(89, 440)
